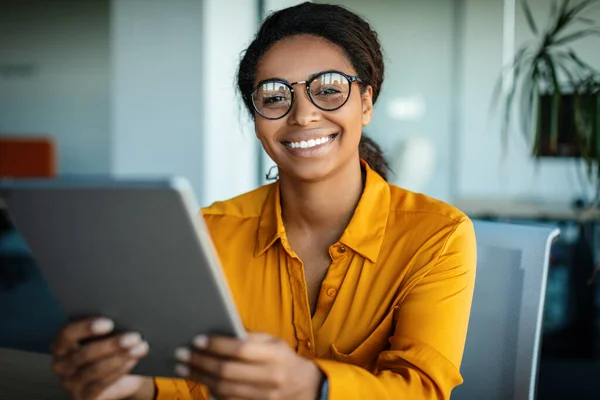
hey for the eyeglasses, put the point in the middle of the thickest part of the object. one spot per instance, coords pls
(328, 91)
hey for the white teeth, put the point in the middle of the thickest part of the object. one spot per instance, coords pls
(306, 144)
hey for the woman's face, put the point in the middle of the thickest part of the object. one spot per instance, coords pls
(297, 59)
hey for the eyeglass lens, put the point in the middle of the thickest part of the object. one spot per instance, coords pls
(328, 91)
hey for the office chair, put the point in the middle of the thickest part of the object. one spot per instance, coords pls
(503, 341)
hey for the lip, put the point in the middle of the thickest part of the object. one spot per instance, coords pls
(307, 135)
(314, 151)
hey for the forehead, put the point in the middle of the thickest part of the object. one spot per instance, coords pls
(296, 58)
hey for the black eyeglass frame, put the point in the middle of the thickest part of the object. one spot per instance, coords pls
(351, 79)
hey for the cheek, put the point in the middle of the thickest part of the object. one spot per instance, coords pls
(351, 118)
(264, 129)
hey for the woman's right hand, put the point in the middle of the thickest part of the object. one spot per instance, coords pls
(99, 369)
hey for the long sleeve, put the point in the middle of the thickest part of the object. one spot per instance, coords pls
(427, 345)
(179, 389)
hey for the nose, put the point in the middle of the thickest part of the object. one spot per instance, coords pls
(303, 111)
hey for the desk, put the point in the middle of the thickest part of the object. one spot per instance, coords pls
(526, 210)
(28, 376)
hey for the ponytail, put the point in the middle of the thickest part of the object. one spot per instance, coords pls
(372, 154)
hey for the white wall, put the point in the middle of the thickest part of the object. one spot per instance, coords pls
(62, 47)
(157, 89)
(417, 40)
(173, 101)
(132, 87)
(485, 171)
(230, 145)
(146, 86)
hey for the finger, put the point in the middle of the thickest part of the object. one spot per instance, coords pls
(91, 352)
(70, 336)
(95, 389)
(222, 388)
(255, 348)
(220, 368)
(107, 366)
(100, 370)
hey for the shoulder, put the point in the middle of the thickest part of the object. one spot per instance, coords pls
(411, 205)
(427, 227)
(435, 229)
(245, 206)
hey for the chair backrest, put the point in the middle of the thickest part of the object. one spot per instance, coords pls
(503, 341)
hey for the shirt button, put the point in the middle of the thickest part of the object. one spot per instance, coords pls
(342, 249)
(308, 344)
(331, 292)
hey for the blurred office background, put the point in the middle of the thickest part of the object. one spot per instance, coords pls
(130, 87)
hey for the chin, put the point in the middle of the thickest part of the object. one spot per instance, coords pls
(309, 172)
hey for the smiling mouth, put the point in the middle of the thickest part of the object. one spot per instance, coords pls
(307, 144)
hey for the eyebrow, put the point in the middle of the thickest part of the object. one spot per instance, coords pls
(275, 78)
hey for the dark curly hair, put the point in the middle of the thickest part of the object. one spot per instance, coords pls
(337, 25)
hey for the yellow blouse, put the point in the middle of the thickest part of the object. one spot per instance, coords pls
(393, 309)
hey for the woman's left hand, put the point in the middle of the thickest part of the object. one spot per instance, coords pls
(258, 367)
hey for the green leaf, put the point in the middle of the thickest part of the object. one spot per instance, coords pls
(553, 10)
(576, 36)
(572, 68)
(573, 82)
(527, 102)
(582, 6)
(538, 123)
(520, 62)
(586, 21)
(596, 133)
(529, 16)
(529, 92)
(566, 15)
(515, 65)
(582, 64)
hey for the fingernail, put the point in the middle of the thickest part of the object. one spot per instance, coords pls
(130, 339)
(182, 370)
(140, 349)
(102, 326)
(182, 354)
(201, 341)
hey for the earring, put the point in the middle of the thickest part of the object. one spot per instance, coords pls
(270, 177)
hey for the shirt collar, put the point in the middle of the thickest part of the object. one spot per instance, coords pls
(364, 234)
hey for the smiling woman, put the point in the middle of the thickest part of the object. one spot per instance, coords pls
(351, 288)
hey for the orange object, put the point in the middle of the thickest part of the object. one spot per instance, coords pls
(391, 319)
(27, 157)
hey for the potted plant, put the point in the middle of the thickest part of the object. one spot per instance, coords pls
(552, 91)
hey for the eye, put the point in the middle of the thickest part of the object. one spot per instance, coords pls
(273, 99)
(324, 91)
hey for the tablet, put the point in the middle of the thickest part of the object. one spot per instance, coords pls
(135, 251)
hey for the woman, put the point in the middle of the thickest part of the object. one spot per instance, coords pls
(354, 288)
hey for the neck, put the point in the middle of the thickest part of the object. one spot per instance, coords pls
(325, 206)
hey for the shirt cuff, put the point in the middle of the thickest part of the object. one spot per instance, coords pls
(171, 389)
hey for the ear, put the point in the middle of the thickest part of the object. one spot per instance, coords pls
(367, 105)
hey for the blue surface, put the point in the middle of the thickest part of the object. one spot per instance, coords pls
(30, 316)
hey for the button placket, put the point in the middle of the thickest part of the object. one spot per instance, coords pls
(302, 317)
